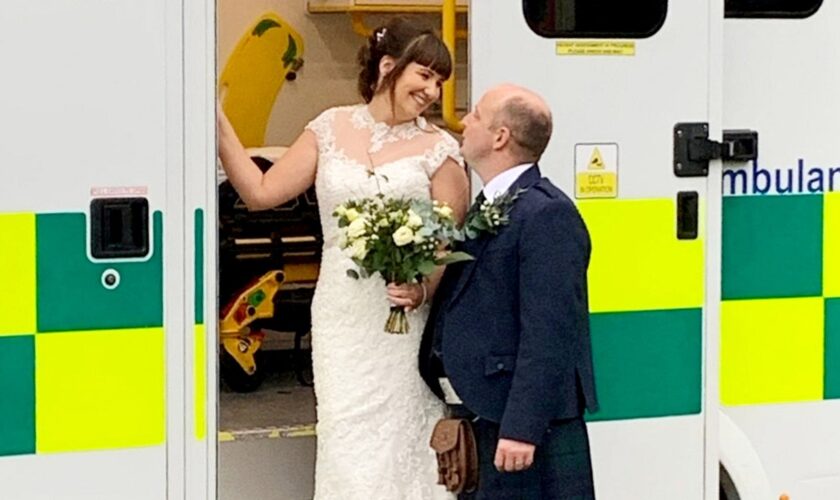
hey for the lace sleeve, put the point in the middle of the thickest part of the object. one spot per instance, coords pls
(445, 147)
(322, 126)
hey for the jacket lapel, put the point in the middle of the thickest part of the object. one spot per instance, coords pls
(476, 247)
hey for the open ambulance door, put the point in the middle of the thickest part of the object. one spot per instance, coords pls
(106, 115)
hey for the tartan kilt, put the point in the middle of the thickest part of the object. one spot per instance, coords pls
(562, 468)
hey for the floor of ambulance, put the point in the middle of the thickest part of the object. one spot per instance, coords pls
(281, 404)
(267, 437)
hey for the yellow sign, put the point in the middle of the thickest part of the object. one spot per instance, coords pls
(596, 185)
(595, 48)
(596, 171)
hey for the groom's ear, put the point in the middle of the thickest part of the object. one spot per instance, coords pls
(501, 138)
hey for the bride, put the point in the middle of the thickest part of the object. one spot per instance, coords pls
(375, 413)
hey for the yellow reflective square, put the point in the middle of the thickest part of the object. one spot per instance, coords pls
(200, 374)
(637, 261)
(831, 245)
(99, 390)
(17, 268)
(772, 350)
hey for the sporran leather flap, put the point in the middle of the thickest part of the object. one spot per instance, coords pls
(445, 435)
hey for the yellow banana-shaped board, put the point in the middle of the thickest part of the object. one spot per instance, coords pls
(255, 73)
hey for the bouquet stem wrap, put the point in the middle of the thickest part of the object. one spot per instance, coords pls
(397, 321)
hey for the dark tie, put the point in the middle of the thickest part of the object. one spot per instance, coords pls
(477, 203)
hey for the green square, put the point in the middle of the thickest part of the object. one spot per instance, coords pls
(647, 364)
(17, 395)
(832, 349)
(199, 266)
(772, 246)
(71, 296)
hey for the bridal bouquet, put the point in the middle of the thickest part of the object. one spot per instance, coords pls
(402, 240)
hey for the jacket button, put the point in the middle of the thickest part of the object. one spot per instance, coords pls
(500, 366)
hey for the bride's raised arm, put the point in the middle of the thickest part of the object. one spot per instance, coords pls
(291, 174)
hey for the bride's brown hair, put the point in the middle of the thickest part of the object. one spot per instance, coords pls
(407, 43)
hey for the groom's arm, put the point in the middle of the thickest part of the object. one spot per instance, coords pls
(553, 255)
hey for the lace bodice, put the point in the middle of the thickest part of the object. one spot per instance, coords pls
(351, 145)
(375, 413)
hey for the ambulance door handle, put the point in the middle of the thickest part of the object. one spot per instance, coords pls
(693, 149)
(687, 215)
(119, 228)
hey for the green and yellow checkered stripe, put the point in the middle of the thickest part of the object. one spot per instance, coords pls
(780, 317)
(646, 291)
(199, 332)
(81, 367)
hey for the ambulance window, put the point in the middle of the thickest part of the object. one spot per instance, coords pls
(595, 18)
(771, 8)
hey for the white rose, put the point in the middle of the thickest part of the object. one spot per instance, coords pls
(359, 249)
(445, 212)
(383, 222)
(414, 220)
(403, 236)
(419, 238)
(352, 214)
(356, 228)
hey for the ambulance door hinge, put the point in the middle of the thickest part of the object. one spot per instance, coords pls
(693, 150)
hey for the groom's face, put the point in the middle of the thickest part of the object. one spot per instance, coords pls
(478, 132)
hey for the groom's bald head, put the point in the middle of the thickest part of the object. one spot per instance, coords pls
(508, 126)
(526, 115)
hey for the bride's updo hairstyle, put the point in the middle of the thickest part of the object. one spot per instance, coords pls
(407, 43)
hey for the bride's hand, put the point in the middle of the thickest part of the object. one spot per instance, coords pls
(409, 295)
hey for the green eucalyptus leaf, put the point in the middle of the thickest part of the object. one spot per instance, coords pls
(455, 257)
(427, 267)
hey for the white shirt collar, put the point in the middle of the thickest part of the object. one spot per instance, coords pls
(502, 182)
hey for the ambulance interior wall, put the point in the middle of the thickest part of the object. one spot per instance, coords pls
(327, 78)
(328, 75)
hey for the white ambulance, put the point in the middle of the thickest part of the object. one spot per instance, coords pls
(696, 137)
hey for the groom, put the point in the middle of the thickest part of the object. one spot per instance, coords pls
(507, 342)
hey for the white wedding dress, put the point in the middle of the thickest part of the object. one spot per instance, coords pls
(375, 413)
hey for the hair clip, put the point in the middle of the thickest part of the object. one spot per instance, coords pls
(381, 34)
